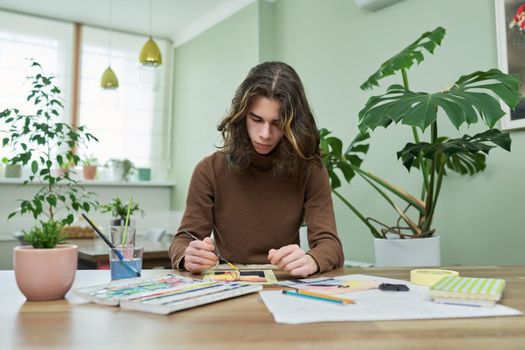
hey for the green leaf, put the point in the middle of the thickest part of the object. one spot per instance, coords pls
(346, 168)
(466, 164)
(34, 167)
(464, 155)
(413, 53)
(336, 146)
(70, 218)
(334, 179)
(52, 200)
(5, 113)
(473, 96)
(334, 158)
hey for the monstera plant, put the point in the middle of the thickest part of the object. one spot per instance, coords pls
(472, 99)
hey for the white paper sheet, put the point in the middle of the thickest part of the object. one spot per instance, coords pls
(373, 305)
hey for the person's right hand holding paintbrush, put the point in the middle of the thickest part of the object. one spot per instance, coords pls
(200, 255)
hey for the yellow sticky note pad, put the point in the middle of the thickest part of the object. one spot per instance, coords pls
(428, 277)
(357, 286)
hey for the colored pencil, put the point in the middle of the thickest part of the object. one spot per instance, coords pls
(318, 296)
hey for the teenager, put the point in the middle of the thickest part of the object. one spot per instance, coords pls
(260, 186)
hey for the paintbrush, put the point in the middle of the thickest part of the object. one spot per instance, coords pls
(112, 246)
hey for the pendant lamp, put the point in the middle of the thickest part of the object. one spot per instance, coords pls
(109, 80)
(150, 55)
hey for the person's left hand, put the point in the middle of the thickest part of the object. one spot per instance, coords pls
(293, 259)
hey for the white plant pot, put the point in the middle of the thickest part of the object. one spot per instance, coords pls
(117, 172)
(407, 252)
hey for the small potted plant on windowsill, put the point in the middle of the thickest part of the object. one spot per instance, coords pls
(46, 269)
(89, 167)
(121, 169)
(472, 99)
(119, 210)
(13, 171)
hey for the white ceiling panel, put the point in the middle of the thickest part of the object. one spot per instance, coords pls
(176, 20)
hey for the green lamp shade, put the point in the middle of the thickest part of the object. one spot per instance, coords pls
(150, 54)
(109, 80)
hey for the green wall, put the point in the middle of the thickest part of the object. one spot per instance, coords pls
(335, 46)
(207, 70)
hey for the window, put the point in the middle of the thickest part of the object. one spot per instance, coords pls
(48, 42)
(133, 121)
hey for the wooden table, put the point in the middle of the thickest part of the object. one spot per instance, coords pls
(94, 253)
(245, 323)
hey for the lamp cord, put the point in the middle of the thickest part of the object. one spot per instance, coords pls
(110, 30)
(150, 11)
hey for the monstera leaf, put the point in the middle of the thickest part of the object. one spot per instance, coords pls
(465, 155)
(334, 158)
(406, 58)
(459, 162)
(472, 97)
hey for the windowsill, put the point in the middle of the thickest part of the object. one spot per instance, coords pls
(19, 181)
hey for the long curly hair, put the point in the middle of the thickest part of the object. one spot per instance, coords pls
(299, 146)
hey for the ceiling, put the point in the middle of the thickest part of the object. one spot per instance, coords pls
(176, 20)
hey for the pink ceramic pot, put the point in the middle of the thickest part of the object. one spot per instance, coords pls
(89, 172)
(45, 274)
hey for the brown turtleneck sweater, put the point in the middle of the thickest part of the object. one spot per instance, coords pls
(254, 211)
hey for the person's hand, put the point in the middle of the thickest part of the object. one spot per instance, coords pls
(199, 255)
(293, 259)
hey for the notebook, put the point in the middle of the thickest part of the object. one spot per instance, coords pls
(468, 291)
(163, 294)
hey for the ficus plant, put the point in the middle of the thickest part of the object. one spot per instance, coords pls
(43, 143)
(472, 99)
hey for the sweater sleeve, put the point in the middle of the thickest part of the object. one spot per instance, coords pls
(319, 216)
(198, 215)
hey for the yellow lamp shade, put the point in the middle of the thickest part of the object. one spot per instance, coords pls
(109, 80)
(150, 54)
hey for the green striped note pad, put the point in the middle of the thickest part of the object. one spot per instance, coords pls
(468, 291)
